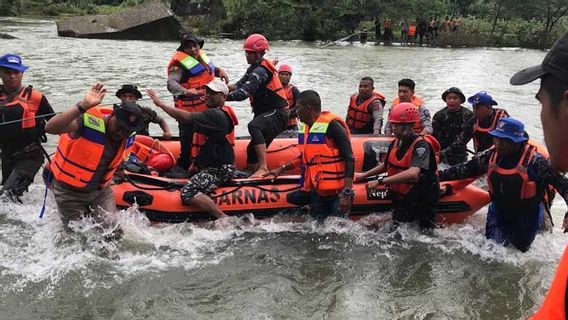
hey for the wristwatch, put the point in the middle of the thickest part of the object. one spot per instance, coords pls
(347, 192)
(380, 180)
(81, 110)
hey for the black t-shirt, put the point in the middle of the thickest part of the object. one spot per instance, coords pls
(337, 133)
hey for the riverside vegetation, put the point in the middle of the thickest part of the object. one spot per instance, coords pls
(493, 23)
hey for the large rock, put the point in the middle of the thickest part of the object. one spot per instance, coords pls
(214, 8)
(149, 21)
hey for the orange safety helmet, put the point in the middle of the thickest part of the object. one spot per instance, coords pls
(160, 161)
(285, 68)
(404, 112)
(256, 42)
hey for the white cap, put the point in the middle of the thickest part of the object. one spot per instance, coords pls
(218, 85)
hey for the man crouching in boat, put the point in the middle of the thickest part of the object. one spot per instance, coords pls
(212, 146)
(411, 167)
(93, 142)
(327, 159)
(518, 177)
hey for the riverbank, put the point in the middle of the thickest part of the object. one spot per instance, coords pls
(301, 21)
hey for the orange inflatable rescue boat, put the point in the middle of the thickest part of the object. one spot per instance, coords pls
(159, 197)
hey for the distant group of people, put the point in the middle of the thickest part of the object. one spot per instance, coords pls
(95, 140)
(413, 32)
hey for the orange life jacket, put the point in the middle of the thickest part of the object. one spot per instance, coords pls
(394, 165)
(417, 101)
(24, 106)
(324, 167)
(511, 190)
(293, 120)
(197, 73)
(482, 140)
(359, 116)
(200, 139)
(269, 97)
(76, 160)
(554, 305)
(412, 30)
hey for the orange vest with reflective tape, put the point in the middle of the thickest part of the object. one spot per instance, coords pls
(324, 167)
(482, 140)
(197, 73)
(76, 160)
(359, 116)
(554, 305)
(394, 165)
(199, 139)
(417, 102)
(24, 106)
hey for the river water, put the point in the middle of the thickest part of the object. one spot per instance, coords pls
(263, 269)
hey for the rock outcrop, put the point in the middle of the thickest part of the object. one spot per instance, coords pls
(149, 21)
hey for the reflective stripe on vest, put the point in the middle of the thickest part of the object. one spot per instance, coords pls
(358, 116)
(395, 166)
(324, 167)
(198, 74)
(417, 102)
(76, 160)
(479, 132)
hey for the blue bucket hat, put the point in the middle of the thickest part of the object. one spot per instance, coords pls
(482, 98)
(12, 61)
(510, 128)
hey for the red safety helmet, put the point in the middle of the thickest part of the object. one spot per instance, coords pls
(160, 161)
(285, 68)
(256, 42)
(404, 112)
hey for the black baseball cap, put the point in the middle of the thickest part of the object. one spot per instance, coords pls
(129, 88)
(555, 63)
(129, 116)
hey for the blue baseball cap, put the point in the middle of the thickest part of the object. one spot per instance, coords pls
(510, 128)
(12, 61)
(482, 98)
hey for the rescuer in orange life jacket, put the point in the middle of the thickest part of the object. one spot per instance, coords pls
(365, 111)
(212, 146)
(94, 141)
(292, 92)
(189, 70)
(518, 177)
(406, 94)
(553, 96)
(411, 167)
(263, 88)
(21, 133)
(327, 159)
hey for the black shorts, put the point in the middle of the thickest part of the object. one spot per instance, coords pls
(264, 128)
